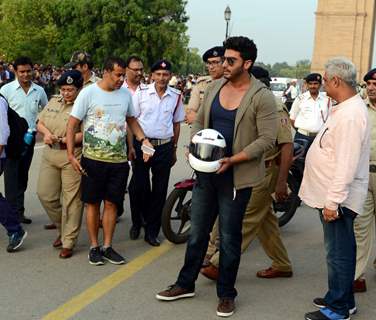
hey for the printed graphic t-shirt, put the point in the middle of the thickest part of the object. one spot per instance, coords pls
(104, 114)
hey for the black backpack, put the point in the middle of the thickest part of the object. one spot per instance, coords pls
(18, 127)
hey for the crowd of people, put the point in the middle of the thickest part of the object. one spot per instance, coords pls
(99, 122)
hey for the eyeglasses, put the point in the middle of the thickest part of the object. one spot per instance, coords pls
(213, 63)
(136, 70)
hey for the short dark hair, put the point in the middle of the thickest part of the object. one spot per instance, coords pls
(133, 58)
(21, 61)
(110, 62)
(245, 46)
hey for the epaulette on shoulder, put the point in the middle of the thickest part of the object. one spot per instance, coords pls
(204, 79)
(174, 90)
(57, 97)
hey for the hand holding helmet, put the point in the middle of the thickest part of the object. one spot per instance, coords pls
(207, 151)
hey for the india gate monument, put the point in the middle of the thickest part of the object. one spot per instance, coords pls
(344, 28)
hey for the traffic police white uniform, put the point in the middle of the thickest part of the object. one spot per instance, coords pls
(157, 117)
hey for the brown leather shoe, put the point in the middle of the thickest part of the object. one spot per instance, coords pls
(226, 307)
(57, 243)
(174, 292)
(50, 226)
(211, 272)
(65, 253)
(359, 285)
(273, 273)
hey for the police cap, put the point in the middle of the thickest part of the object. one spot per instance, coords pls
(371, 75)
(161, 65)
(313, 77)
(71, 77)
(213, 53)
(78, 57)
(260, 73)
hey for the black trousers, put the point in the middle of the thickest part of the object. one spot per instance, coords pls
(16, 176)
(147, 197)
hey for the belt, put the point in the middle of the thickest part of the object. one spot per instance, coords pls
(372, 168)
(307, 133)
(62, 146)
(158, 142)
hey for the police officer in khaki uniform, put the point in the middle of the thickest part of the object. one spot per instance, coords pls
(82, 62)
(59, 184)
(259, 219)
(213, 59)
(364, 225)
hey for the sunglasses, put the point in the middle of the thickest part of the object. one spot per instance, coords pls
(229, 60)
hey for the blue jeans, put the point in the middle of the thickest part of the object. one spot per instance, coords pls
(8, 217)
(340, 246)
(214, 194)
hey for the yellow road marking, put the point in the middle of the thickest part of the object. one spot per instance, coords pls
(79, 302)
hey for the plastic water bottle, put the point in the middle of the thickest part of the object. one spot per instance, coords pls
(29, 137)
(28, 140)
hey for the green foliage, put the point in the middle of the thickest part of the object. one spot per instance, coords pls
(283, 69)
(50, 30)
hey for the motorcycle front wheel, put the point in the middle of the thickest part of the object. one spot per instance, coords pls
(176, 216)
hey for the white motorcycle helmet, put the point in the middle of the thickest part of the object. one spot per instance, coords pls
(208, 146)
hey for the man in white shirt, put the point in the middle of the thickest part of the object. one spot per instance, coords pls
(335, 182)
(27, 99)
(310, 109)
(159, 110)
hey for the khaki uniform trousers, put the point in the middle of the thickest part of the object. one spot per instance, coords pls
(259, 220)
(364, 228)
(60, 194)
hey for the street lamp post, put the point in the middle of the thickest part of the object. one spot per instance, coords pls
(227, 19)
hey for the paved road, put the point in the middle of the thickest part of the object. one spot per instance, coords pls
(36, 284)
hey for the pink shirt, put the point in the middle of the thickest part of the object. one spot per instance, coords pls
(337, 163)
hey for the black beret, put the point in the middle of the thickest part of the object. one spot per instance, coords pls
(71, 77)
(259, 72)
(313, 77)
(371, 75)
(161, 65)
(213, 53)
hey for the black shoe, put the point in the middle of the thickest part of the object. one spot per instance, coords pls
(320, 303)
(15, 240)
(112, 256)
(134, 232)
(153, 241)
(25, 220)
(95, 256)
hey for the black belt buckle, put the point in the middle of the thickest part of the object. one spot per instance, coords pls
(372, 168)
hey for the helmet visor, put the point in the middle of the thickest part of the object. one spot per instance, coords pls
(206, 152)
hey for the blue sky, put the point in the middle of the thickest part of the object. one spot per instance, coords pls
(283, 30)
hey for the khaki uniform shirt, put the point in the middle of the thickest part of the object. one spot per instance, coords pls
(93, 79)
(55, 116)
(372, 121)
(197, 94)
(284, 134)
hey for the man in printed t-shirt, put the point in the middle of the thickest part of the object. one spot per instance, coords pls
(104, 107)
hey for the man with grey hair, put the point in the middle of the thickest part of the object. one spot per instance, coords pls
(335, 182)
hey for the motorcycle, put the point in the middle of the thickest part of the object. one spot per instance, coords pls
(176, 214)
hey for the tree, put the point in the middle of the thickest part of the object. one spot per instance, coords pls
(50, 30)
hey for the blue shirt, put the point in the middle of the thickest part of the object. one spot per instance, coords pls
(104, 115)
(156, 115)
(27, 105)
(223, 121)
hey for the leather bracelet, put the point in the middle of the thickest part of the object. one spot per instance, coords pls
(142, 139)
